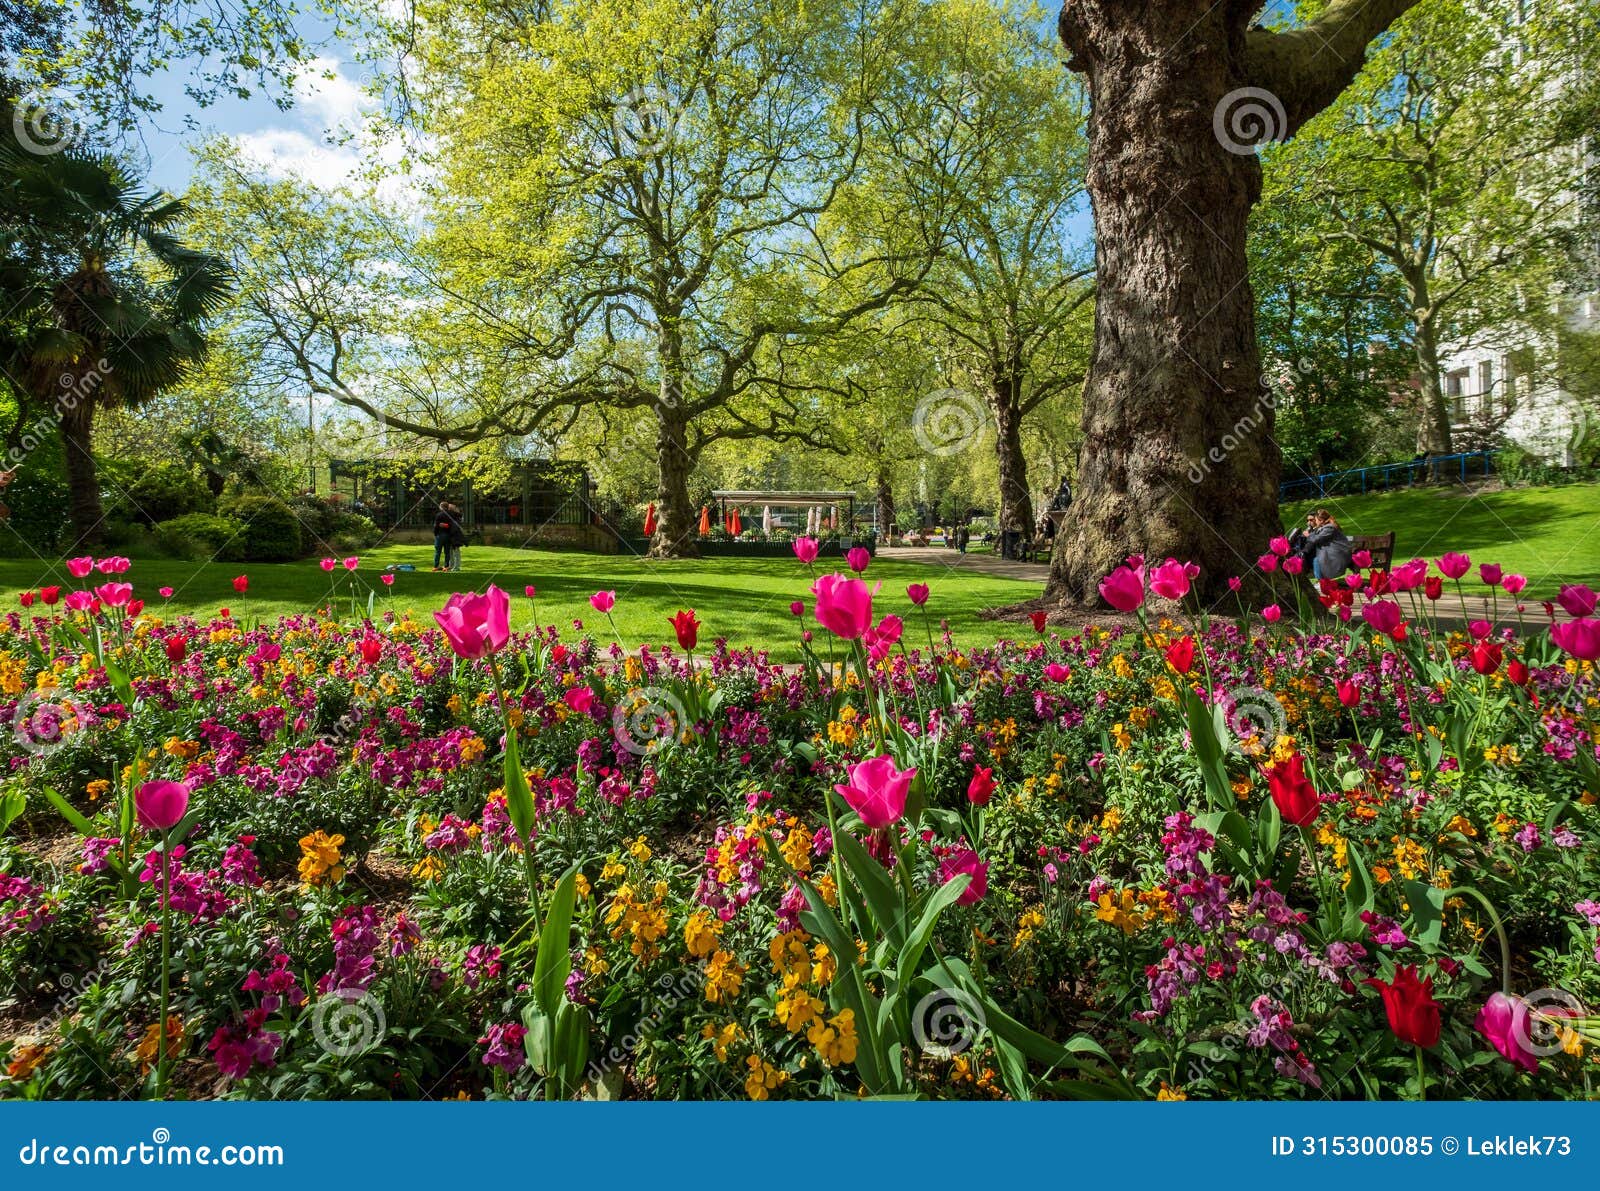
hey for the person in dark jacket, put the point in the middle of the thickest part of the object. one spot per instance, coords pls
(1325, 546)
(441, 536)
(458, 539)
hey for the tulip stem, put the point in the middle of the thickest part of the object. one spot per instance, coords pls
(166, 967)
(1422, 1078)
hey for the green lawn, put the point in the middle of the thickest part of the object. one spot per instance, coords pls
(1551, 535)
(745, 600)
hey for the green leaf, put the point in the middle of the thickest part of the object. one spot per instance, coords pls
(78, 822)
(12, 803)
(553, 964)
(519, 796)
(1427, 911)
(877, 887)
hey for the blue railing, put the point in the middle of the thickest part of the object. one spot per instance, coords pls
(1381, 478)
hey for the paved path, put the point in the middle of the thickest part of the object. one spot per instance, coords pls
(983, 564)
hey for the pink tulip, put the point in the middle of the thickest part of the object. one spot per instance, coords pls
(387, 579)
(1491, 574)
(1272, 614)
(161, 805)
(805, 549)
(530, 591)
(1580, 638)
(114, 595)
(1480, 629)
(580, 699)
(1514, 584)
(1279, 546)
(1056, 672)
(1171, 579)
(1293, 566)
(1577, 599)
(1382, 615)
(796, 608)
(1235, 583)
(474, 625)
(918, 593)
(1409, 576)
(858, 559)
(1453, 566)
(844, 605)
(352, 562)
(877, 791)
(166, 593)
(328, 564)
(79, 601)
(966, 862)
(1362, 558)
(1123, 589)
(1503, 1021)
(603, 601)
(79, 567)
(1268, 562)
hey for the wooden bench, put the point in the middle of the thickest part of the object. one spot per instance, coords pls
(1379, 545)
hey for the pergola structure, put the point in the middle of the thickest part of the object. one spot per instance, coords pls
(766, 501)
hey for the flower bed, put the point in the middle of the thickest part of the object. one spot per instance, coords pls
(424, 857)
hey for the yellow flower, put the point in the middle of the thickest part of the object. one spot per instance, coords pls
(145, 1052)
(1121, 737)
(1167, 1093)
(429, 868)
(98, 787)
(1027, 926)
(25, 1060)
(721, 1038)
(835, 1040)
(825, 966)
(1125, 916)
(724, 978)
(640, 850)
(472, 749)
(764, 1078)
(700, 933)
(319, 858)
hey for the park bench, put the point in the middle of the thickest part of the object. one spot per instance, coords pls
(1379, 545)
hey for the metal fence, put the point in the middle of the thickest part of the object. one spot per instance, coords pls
(1437, 469)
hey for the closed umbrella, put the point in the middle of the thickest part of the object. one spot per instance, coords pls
(766, 519)
(738, 523)
(650, 522)
(705, 520)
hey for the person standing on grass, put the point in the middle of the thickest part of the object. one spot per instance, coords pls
(441, 535)
(458, 539)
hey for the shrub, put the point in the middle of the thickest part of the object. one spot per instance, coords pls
(202, 535)
(163, 491)
(271, 529)
(38, 503)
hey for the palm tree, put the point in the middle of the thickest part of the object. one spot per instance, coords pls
(108, 305)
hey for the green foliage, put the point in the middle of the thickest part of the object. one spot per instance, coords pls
(38, 503)
(202, 535)
(161, 492)
(271, 529)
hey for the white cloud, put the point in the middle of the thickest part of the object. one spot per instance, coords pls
(288, 153)
(334, 102)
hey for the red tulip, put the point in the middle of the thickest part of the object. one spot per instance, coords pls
(161, 805)
(371, 650)
(1517, 672)
(26, 599)
(1292, 792)
(177, 649)
(981, 788)
(241, 584)
(1349, 693)
(1180, 655)
(1413, 1013)
(1433, 587)
(687, 628)
(134, 608)
(1485, 657)
(49, 594)
(1040, 619)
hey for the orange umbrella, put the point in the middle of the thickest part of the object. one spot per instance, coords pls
(650, 522)
(738, 523)
(705, 520)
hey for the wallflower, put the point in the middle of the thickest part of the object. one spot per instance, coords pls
(319, 858)
(700, 933)
(835, 1040)
(724, 976)
(763, 1078)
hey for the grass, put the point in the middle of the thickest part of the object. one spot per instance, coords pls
(745, 600)
(1551, 535)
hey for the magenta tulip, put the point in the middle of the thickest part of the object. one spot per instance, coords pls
(1514, 584)
(966, 862)
(603, 601)
(161, 805)
(1272, 614)
(805, 549)
(1503, 1021)
(1279, 546)
(1382, 615)
(115, 595)
(1171, 579)
(79, 567)
(877, 790)
(1580, 638)
(858, 558)
(917, 593)
(1453, 566)
(1123, 589)
(352, 562)
(476, 625)
(1577, 599)
(1491, 574)
(844, 605)
(328, 564)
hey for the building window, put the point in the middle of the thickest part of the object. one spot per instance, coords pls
(1455, 386)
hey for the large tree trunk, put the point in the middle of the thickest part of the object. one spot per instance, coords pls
(1178, 456)
(886, 511)
(1016, 505)
(1433, 422)
(83, 480)
(676, 522)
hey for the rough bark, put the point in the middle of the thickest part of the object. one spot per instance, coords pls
(676, 520)
(83, 479)
(886, 510)
(1433, 424)
(1016, 505)
(1178, 456)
